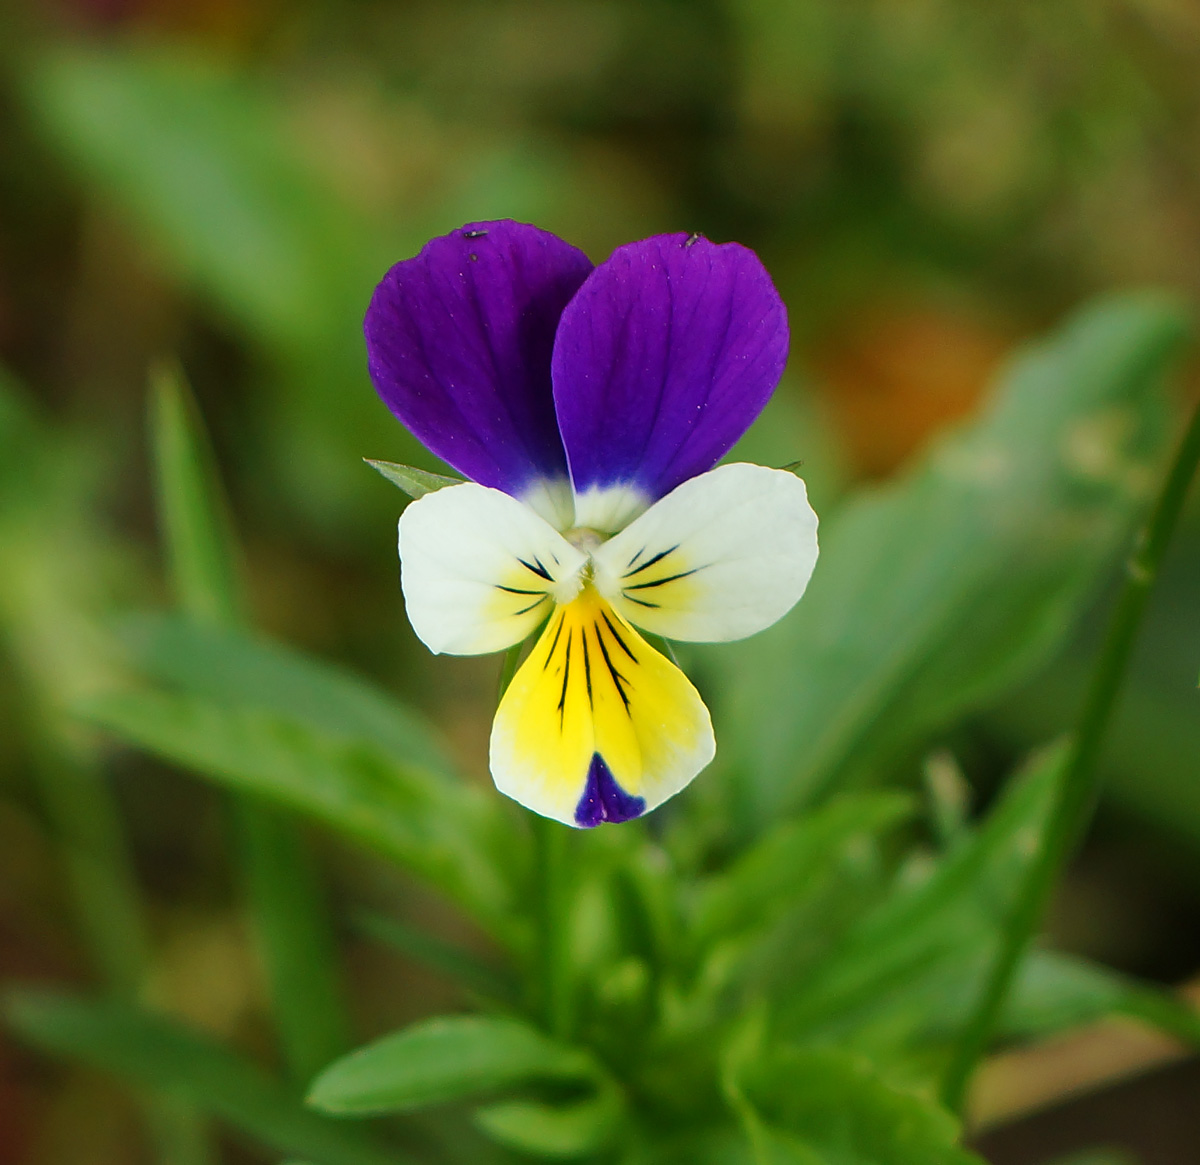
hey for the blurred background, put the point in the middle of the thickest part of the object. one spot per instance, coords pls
(224, 181)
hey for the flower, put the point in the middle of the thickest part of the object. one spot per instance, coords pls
(588, 406)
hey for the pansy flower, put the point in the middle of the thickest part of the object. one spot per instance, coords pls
(588, 407)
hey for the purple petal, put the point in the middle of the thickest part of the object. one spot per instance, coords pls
(459, 342)
(604, 800)
(663, 359)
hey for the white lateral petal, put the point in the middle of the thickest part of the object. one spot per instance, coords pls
(722, 556)
(480, 570)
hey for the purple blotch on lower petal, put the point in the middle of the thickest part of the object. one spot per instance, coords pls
(604, 800)
(663, 359)
(459, 341)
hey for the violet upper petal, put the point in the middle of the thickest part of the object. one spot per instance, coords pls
(459, 341)
(663, 359)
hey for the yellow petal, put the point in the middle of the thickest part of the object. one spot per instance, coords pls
(597, 725)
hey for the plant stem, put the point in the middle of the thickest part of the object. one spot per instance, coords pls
(550, 840)
(1079, 781)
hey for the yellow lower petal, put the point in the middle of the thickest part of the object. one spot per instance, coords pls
(597, 725)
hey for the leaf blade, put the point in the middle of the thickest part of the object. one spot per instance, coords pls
(936, 592)
(238, 667)
(157, 1053)
(444, 831)
(443, 1059)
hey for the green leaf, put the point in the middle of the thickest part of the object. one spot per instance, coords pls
(473, 973)
(728, 1146)
(834, 1105)
(61, 562)
(205, 161)
(441, 1060)
(240, 668)
(22, 438)
(291, 924)
(215, 165)
(788, 861)
(1056, 991)
(414, 482)
(192, 510)
(824, 1106)
(1155, 733)
(449, 833)
(938, 591)
(157, 1053)
(918, 932)
(577, 1129)
(905, 975)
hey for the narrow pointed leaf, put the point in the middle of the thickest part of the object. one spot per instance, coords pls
(471, 971)
(446, 832)
(789, 859)
(196, 526)
(238, 667)
(910, 937)
(1057, 991)
(291, 925)
(154, 1052)
(905, 974)
(202, 158)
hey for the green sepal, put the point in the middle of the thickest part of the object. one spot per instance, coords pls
(414, 482)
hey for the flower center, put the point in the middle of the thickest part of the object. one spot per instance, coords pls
(585, 539)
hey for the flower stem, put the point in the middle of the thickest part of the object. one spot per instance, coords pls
(1079, 781)
(552, 967)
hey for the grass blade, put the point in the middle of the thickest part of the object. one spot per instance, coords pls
(294, 935)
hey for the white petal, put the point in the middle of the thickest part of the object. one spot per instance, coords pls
(552, 499)
(609, 507)
(480, 570)
(720, 557)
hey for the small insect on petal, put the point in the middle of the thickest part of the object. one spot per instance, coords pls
(597, 725)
